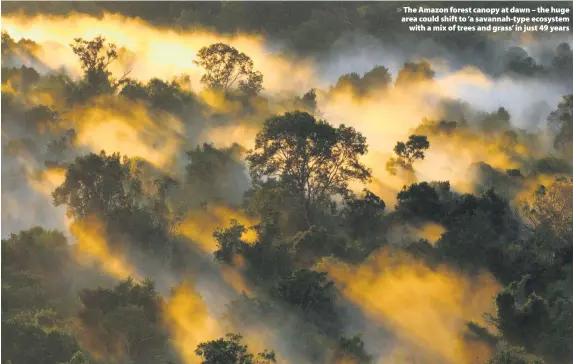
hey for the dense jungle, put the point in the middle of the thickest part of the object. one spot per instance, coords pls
(282, 182)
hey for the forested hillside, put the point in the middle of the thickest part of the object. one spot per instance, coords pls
(275, 182)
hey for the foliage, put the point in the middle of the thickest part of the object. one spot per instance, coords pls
(217, 172)
(302, 191)
(97, 184)
(95, 58)
(38, 297)
(519, 63)
(123, 323)
(407, 153)
(539, 325)
(51, 345)
(229, 350)
(34, 266)
(312, 157)
(512, 355)
(563, 61)
(162, 95)
(225, 65)
(312, 293)
(413, 73)
(352, 349)
(552, 165)
(266, 259)
(22, 78)
(307, 101)
(498, 120)
(108, 188)
(378, 78)
(364, 214)
(552, 208)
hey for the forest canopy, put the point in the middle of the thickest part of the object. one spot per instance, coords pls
(231, 182)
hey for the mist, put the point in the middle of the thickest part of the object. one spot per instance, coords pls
(180, 202)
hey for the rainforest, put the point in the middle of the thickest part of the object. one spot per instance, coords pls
(282, 182)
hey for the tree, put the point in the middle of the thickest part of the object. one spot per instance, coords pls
(20, 78)
(315, 243)
(519, 63)
(364, 213)
(552, 165)
(97, 184)
(562, 121)
(349, 80)
(229, 242)
(123, 323)
(37, 276)
(498, 120)
(163, 184)
(552, 208)
(224, 66)
(265, 260)
(507, 354)
(58, 148)
(7, 42)
(28, 342)
(40, 117)
(540, 325)
(162, 95)
(229, 350)
(407, 153)
(35, 267)
(217, 173)
(312, 294)
(413, 73)
(95, 60)
(312, 157)
(420, 200)
(307, 101)
(110, 188)
(377, 78)
(563, 61)
(167, 96)
(352, 350)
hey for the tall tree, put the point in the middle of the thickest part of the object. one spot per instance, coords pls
(407, 153)
(315, 159)
(95, 58)
(225, 65)
(97, 184)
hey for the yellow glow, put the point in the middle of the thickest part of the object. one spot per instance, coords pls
(189, 321)
(155, 52)
(91, 245)
(427, 307)
(116, 125)
(199, 225)
(431, 232)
